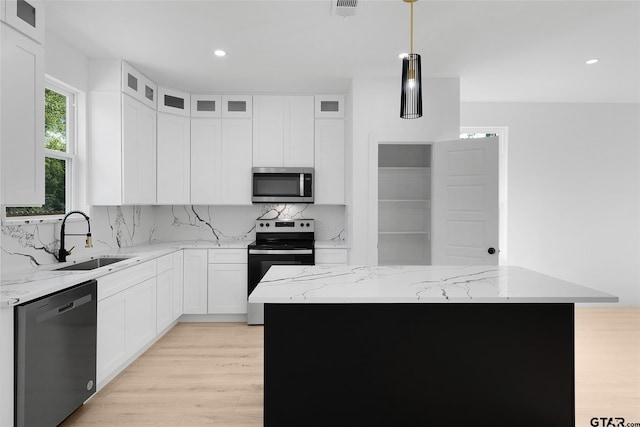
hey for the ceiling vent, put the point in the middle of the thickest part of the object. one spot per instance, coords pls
(344, 7)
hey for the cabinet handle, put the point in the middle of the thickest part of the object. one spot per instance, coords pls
(491, 251)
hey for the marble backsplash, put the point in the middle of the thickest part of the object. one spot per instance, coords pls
(27, 245)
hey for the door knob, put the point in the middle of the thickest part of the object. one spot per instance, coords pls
(491, 251)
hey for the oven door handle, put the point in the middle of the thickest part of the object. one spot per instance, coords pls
(280, 251)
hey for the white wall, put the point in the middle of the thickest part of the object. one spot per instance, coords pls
(375, 105)
(574, 190)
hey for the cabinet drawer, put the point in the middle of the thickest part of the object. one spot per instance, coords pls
(124, 279)
(164, 263)
(331, 256)
(227, 256)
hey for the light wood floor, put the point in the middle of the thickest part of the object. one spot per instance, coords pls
(210, 374)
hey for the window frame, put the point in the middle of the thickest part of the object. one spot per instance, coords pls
(70, 157)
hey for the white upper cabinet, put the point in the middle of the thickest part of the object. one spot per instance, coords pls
(138, 86)
(206, 106)
(329, 162)
(283, 131)
(221, 161)
(298, 131)
(237, 106)
(268, 130)
(329, 106)
(206, 157)
(173, 101)
(174, 159)
(25, 16)
(122, 137)
(22, 125)
(138, 152)
(235, 162)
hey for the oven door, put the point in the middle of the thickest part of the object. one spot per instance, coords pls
(259, 262)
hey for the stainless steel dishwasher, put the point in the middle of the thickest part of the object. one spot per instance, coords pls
(55, 355)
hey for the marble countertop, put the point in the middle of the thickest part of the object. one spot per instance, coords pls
(19, 287)
(339, 284)
(24, 286)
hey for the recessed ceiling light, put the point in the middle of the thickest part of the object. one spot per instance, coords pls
(592, 61)
(220, 52)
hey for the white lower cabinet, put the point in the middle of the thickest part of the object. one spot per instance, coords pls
(126, 323)
(227, 281)
(141, 315)
(331, 256)
(227, 286)
(168, 290)
(195, 281)
(177, 284)
(111, 345)
(164, 298)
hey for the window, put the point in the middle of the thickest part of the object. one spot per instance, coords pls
(59, 153)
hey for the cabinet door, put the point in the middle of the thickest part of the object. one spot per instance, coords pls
(235, 162)
(206, 106)
(298, 134)
(227, 288)
(268, 131)
(137, 85)
(195, 281)
(164, 297)
(140, 315)
(329, 162)
(174, 101)
(177, 287)
(111, 332)
(329, 106)
(22, 126)
(237, 106)
(26, 17)
(174, 159)
(206, 158)
(138, 152)
(331, 256)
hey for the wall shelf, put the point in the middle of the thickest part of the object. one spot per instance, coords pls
(404, 204)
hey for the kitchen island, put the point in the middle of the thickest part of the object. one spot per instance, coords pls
(419, 345)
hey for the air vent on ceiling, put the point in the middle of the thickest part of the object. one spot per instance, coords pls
(344, 7)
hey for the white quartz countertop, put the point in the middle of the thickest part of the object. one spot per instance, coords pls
(24, 286)
(340, 284)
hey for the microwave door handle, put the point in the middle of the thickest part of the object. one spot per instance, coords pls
(301, 185)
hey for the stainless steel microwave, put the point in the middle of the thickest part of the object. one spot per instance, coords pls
(282, 185)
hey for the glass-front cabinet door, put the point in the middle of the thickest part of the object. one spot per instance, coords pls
(26, 16)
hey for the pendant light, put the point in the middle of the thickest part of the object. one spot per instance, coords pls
(411, 92)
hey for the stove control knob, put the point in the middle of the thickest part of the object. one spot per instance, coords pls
(261, 225)
(301, 224)
(308, 225)
(267, 224)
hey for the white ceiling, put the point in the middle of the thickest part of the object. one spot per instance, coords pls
(522, 51)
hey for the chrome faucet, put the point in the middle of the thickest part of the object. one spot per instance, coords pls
(62, 253)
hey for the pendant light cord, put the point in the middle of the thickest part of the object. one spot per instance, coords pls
(411, 28)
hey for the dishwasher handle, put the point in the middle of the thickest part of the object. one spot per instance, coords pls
(62, 309)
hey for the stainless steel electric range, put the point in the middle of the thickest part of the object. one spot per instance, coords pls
(278, 242)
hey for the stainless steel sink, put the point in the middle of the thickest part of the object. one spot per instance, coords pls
(92, 264)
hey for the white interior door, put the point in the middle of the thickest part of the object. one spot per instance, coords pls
(465, 202)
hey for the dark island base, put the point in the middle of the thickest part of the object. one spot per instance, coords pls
(399, 365)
